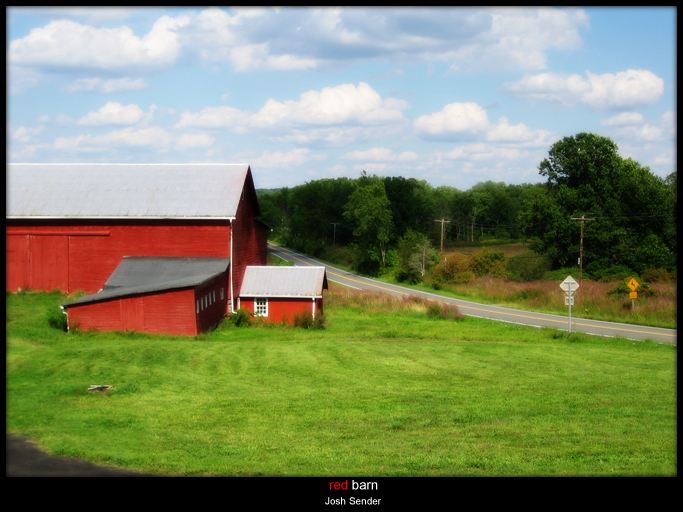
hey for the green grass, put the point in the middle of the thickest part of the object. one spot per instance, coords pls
(383, 391)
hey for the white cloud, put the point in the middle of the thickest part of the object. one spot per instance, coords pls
(644, 133)
(554, 88)
(297, 38)
(453, 120)
(106, 86)
(23, 134)
(191, 141)
(381, 155)
(65, 44)
(343, 104)
(623, 119)
(155, 137)
(113, 113)
(281, 160)
(625, 90)
(20, 79)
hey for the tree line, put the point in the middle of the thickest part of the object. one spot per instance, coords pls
(395, 223)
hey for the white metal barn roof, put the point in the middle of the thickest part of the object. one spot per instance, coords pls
(284, 282)
(145, 191)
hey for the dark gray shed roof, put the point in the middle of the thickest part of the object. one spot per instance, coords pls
(140, 274)
(144, 191)
(284, 282)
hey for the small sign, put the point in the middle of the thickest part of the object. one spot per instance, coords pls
(633, 284)
(569, 285)
(568, 300)
(633, 295)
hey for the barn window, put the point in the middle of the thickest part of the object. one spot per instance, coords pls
(262, 306)
(222, 294)
(210, 299)
(197, 306)
(214, 295)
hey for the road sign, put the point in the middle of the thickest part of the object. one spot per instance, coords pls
(568, 301)
(569, 285)
(633, 295)
(633, 284)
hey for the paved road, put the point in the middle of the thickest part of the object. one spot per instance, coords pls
(630, 331)
(24, 458)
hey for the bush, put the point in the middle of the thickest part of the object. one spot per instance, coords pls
(657, 275)
(487, 263)
(442, 311)
(303, 319)
(57, 319)
(240, 318)
(528, 266)
(454, 269)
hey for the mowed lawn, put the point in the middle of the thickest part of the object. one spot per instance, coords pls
(383, 391)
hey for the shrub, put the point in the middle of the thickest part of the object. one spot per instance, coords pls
(240, 318)
(303, 319)
(454, 269)
(442, 311)
(57, 319)
(657, 275)
(527, 266)
(319, 322)
(487, 263)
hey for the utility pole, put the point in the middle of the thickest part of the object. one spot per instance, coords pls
(582, 219)
(334, 237)
(442, 221)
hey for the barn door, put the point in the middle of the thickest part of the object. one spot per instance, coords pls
(49, 262)
(17, 263)
(132, 314)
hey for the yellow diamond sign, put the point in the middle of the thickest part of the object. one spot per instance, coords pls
(633, 284)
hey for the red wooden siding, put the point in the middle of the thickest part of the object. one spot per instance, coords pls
(212, 310)
(89, 260)
(172, 312)
(37, 262)
(249, 237)
(283, 309)
(17, 270)
(104, 316)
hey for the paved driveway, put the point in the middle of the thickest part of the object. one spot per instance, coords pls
(24, 458)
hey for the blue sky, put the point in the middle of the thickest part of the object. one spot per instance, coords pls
(452, 96)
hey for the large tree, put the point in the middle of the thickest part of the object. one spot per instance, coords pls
(633, 227)
(370, 212)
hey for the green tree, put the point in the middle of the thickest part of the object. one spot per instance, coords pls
(369, 211)
(633, 209)
(416, 255)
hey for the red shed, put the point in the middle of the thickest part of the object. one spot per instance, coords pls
(278, 293)
(158, 295)
(69, 225)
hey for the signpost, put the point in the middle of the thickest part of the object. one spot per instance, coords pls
(569, 286)
(633, 285)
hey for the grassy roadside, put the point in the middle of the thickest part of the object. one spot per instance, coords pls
(384, 390)
(658, 308)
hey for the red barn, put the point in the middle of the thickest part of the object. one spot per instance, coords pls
(159, 295)
(69, 226)
(278, 293)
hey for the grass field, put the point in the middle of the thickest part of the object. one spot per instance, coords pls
(383, 391)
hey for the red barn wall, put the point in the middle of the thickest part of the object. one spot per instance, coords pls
(172, 312)
(249, 236)
(282, 309)
(211, 311)
(81, 255)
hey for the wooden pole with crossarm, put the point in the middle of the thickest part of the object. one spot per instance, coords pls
(582, 219)
(442, 221)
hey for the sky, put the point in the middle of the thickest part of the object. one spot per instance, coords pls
(452, 96)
